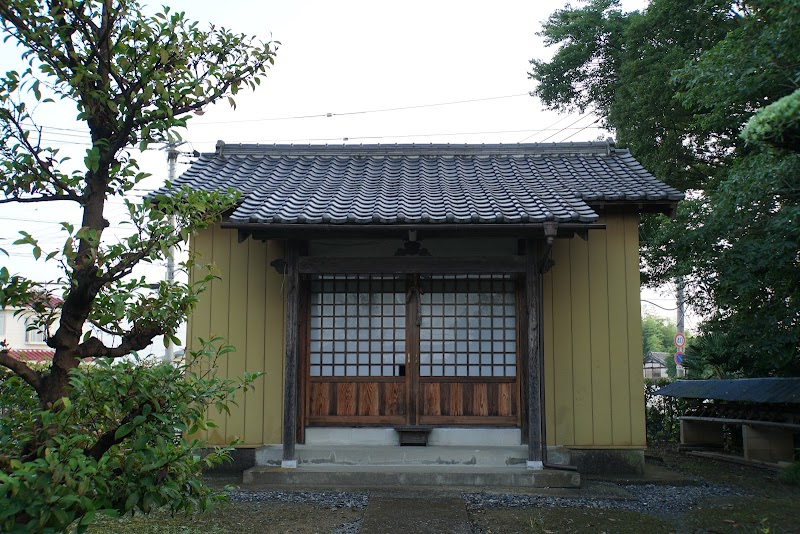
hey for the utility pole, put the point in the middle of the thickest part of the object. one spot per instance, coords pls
(172, 160)
(680, 370)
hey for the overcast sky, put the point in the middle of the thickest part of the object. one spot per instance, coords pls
(435, 71)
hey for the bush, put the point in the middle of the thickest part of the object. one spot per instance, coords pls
(662, 413)
(790, 474)
(120, 443)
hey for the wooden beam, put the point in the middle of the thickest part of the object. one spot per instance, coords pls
(292, 278)
(522, 351)
(534, 379)
(264, 231)
(411, 265)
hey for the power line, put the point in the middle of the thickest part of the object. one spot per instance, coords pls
(658, 305)
(20, 219)
(565, 117)
(566, 128)
(582, 129)
(362, 112)
(402, 136)
(305, 116)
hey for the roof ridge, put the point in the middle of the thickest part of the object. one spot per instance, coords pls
(606, 147)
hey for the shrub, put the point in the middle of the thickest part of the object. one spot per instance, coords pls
(122, 442)
(790, 474)
(662, 413)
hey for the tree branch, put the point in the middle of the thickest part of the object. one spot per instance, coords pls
(48, 198)
(21, 369)
(132, 341)
(43, 168)
(106, 330)
(128, 261)
(108, 439)
(50, 56)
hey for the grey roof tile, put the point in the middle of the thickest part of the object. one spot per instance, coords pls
(429, 184)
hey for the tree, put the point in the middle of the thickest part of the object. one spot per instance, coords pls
(134, 79)
(658, 334)
(678, 82)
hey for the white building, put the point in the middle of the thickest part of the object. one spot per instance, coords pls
(25, 344)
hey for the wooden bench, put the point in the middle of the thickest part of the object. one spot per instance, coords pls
(763, 441)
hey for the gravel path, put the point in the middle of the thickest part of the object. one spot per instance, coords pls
(333, 500)
(663, 501)
(659, 500)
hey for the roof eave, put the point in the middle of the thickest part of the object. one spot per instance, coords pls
(317, 231)
(666, 207)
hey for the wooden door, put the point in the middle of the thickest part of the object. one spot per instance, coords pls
(405, 350)
(467, 350)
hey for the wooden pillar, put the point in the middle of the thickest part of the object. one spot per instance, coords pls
(534, 379)
(290, 368)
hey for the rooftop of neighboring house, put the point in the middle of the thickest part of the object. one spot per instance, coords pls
(32, 355)
(659, 358)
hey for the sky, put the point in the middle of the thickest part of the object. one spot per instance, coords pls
(349, 72)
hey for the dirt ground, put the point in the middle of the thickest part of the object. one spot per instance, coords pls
(765, 506)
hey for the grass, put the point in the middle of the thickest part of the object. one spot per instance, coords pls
(233, 518)
(567, 521)
(790, 474)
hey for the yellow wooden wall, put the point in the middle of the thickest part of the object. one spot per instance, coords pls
(593, 339)
(592, 335)
(245, 306)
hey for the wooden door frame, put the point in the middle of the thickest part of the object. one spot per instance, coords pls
(516, 265)
(412, 349)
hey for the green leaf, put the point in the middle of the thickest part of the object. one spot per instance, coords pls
(124, 430)
(131, 501)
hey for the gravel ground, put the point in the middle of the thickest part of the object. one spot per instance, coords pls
(663, 501)
(656, 499)
(332, 500)
(659, 500)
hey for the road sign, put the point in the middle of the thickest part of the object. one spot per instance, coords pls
(679, 358)
(680, 340)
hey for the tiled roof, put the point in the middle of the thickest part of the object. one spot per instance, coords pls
(426, 184)
(32, 355)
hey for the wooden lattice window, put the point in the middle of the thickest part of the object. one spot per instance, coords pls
(358, 326)
(468, 326)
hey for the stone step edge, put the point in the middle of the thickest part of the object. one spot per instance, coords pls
(320, 455)
(404, 476)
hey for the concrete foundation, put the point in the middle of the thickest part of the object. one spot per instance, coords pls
(453, 454)
(242, 459)
(393, 465)
(395, 455)
(333, 476)
(608, 461)
(387, 436)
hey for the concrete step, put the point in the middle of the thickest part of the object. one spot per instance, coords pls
(374, 476)
(395, 455)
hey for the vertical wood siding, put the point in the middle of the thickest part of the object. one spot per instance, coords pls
(592, 338)
(246, 306)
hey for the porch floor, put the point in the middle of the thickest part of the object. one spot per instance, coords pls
(349, 466)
